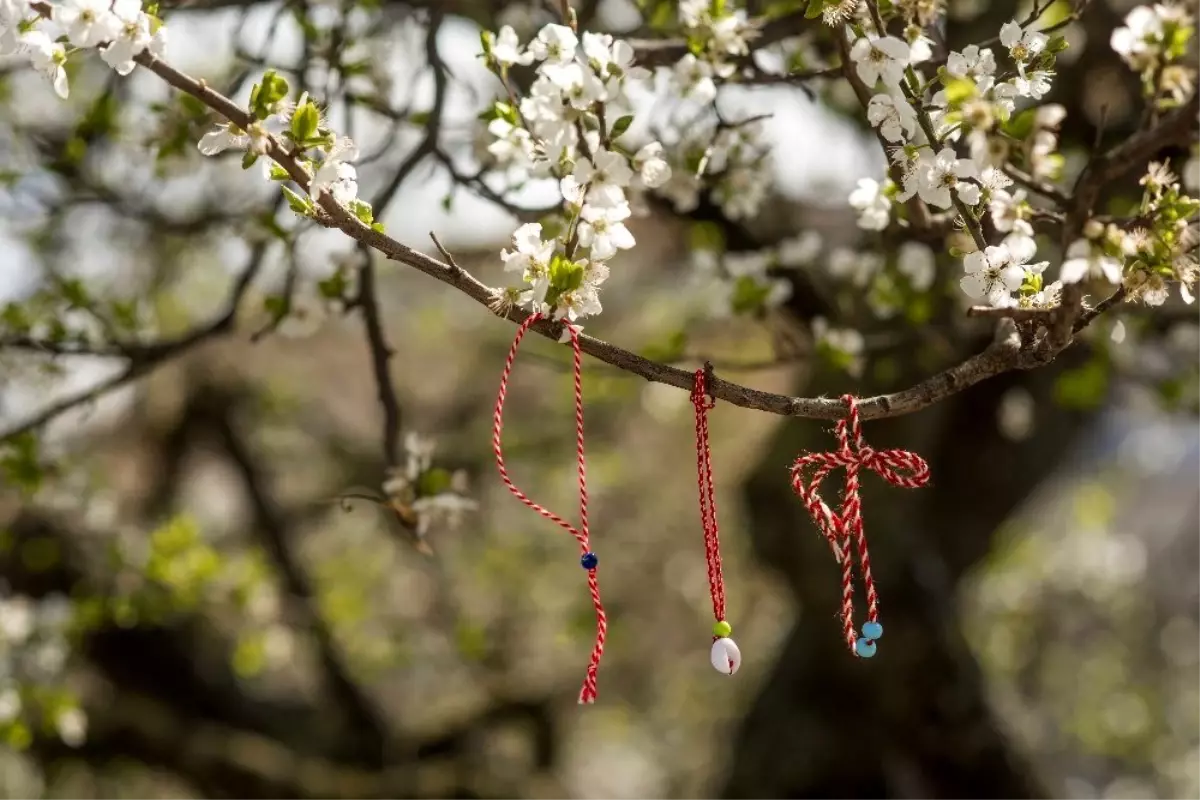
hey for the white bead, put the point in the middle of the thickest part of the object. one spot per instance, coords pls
(726, 657)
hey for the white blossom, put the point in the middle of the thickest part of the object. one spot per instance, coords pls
(507, 48)
(871, 203)
(847, 342)
(993, 275)
(800, 249)
(1009, 211)
(602, 228)
(225, 136)
(604, 180)
(1139, 41)
(652, 168)
(916, 262)
(531, 256)
(555, 44)
(132, 38)
(857, 268)
(1022, 45)
(48, 58)
(88, 23)
(335, 174)
(893, 115)
(1034, 83)
(975, 63)
(1087, 259)
(943, 173)
(695, 78)
(880, 57)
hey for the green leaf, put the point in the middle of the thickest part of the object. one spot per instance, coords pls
(305, 122)
(420, 117)
(1057, 44)
(621, 125)
(362, 210)
(565, 276)
(1020, 125)
(662, 17)
(301, 205)
(959, 90)
(248, 159)
(433, 481)
(278, 173)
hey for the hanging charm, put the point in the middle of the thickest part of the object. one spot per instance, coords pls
(844, 531)
(726, 657)
(587, 559)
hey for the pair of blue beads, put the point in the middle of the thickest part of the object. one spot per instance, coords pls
(865, 647)
(589, 561)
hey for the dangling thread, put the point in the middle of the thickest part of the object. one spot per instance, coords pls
(588, 560)
(726, 657)
(844, 531)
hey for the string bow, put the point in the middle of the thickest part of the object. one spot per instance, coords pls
(844, 530)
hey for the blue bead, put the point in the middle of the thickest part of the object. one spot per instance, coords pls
(872, 630)
(865, 648)
(589, 561)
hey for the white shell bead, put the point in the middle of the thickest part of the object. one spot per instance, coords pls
(726, 657)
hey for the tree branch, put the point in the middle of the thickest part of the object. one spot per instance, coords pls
(999, 357)
(143, 359)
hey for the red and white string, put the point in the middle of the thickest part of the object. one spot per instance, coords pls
(587, 694)
(708, 503)
(845, 531)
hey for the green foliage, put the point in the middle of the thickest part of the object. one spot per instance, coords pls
(182, 562)
(1083, 388)
(706, 236)
(749, 295)
(301, 204)
(305, 121)
(565, 276)
(21, 462)
(266, 95)
(621, 125)
(672, 349)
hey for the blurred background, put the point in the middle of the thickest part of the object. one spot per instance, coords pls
(191, 608)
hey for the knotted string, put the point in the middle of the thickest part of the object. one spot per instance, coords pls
(844, 531)
(587, 694)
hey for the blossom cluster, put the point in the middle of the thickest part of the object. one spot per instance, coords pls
(1154, 43)
(717, 36)
(325, 158)
(570, 127)
(433, 495)
(973, 107)
(119, 29)
(731, 161)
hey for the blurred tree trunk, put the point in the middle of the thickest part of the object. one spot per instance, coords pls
(913, 721)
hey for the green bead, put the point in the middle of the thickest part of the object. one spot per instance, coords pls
(722, 629)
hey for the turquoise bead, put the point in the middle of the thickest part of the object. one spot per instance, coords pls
(872, 630)
(865, 648)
